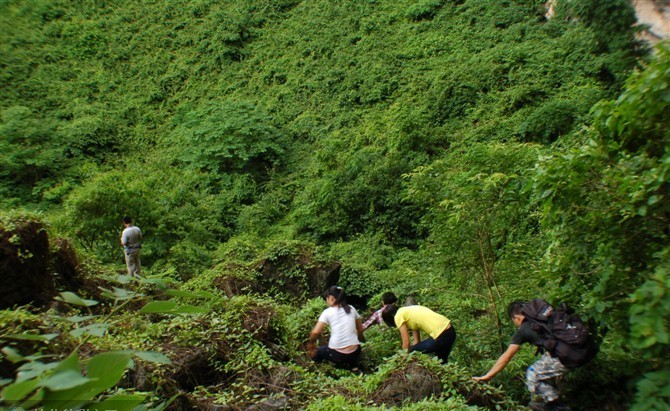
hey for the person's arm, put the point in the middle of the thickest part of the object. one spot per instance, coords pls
(313, 336)
(359, 330)
(374, 318)
(416, 335)
(501, 363)
(404, 336)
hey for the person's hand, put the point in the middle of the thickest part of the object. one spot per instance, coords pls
(311, 349)
(482, 378)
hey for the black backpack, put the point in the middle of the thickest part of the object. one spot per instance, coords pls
(564, 334)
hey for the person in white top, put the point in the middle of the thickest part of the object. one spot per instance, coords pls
(346, 332)
(131, 240)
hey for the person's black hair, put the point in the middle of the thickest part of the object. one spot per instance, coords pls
(515, 308)
(388, 314)
(340, 297)
(127, 220)
(389, 298)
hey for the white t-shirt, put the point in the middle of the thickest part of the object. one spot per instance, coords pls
(131, 237)
(343, 331)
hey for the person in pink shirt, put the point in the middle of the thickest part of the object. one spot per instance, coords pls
(388, 298)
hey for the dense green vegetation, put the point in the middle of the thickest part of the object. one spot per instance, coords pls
(464, 152)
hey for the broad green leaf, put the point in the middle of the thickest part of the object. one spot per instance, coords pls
(124, 279)
(64, 380)
(119, 294)
(190, 294)
(73, 398)
(97, 330)
(159, 307)
(642, 211)
(12, 354)
(108, 367)
(33, 369)
(153, 356)
(163, 405)
(70, 363)
(34, 399)
(104, 371)
(159, 282)
(32, 337)
(119, 402)
(19, 390)
(207, 294)
(74, 299)
(169, 307)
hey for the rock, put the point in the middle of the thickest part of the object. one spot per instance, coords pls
(655, 14)
(24, 262)
(32, 268)
(414, 383)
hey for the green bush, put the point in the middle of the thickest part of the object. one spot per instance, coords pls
(164, 205)
(602, 202)
(32, 159)
(226, 137)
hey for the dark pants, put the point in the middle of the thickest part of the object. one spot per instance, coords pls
(441, 345)
(346, 361)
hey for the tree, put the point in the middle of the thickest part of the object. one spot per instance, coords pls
(607, 217)
(480, 215)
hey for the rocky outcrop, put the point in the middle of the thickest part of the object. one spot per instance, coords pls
(33, 269)
(415, 382)
(653, 14)
(295, 276)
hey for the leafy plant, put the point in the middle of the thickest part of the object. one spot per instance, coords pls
(70, 383)
(32, 159)
(227, 137)
(603, 204)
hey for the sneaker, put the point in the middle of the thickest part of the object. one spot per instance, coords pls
(537, 406)
(556, 406)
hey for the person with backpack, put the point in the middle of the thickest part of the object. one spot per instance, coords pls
(346, 332)
(416, 318)
(563, 339)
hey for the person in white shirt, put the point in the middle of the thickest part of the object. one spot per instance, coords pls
(346, 332)
(131, 238)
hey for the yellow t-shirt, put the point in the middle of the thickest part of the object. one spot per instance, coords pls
(418, 317)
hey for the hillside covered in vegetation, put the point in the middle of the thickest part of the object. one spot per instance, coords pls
(465, 153)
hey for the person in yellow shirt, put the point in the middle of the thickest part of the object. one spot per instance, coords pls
(416, 318)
